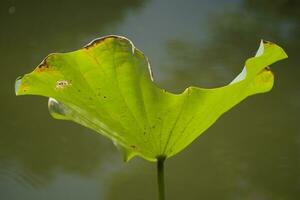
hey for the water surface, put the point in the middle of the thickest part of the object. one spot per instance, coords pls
(252, 152)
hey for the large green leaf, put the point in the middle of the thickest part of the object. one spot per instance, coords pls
(107, 86)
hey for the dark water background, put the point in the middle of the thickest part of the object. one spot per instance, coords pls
(251, 153)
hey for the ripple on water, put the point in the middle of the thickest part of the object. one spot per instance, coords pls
(12, 171)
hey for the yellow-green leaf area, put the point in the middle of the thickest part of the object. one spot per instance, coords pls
(107, 86)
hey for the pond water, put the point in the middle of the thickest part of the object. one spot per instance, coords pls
(251, 153)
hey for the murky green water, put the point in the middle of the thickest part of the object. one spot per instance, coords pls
(251, 153)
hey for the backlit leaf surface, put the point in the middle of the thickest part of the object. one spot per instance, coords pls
(107, 86)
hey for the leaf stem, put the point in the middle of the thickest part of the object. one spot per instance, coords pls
(160, 177)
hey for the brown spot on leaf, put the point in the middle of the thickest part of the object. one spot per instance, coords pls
(25, 88)
(267, 42)
(42, 67)
(61, 84)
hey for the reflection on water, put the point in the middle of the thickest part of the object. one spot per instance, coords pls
(251, 153)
